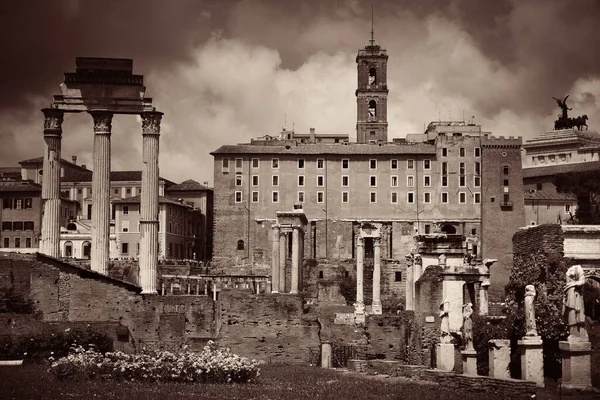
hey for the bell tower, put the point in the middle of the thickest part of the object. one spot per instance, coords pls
(372, 93)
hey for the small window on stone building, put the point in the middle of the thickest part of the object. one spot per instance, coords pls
(426, 164)
(427, 229)
(477, 152)
(320, 274)
(18, 226)
(240, 244)
(461, 152)
(301, 163)
(398, 276)
(492, 199)
(427, 197)
(238, 164)
(255, 197)
(410, 197)
(462, 197)
(300, 180)
(373, 197)
(372, 109)
(320, 163)
(225, 165)
(254, 180)
(124, 248)
(320, 180)
(444, 152)
(300, 197)
(275, 197)
(394, 164)
(505, 170)
(238, 180)
(372, 76)
(275, 163)
(320, 197)
(238, 197)
(125, 210)
(445, 197)
(538, 186)
(477, 198)
(28, 225)
(373, 181)
(394, 181)
(255, 163)
(28, 243)
(427, 180)
(345, 180)
(17, 243)
(275, 180)
(477, 181)
(345, 163)
(372, 164)
(473, 231)
(410, 164)
(345, 197)
(567, 207)
(7, 245)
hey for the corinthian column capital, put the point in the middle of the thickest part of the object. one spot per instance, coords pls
(53, 119)
(102, 121)
(151, 122)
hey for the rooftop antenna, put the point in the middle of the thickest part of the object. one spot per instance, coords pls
(372, 41)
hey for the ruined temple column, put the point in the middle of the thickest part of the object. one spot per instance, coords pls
(101, 191)
(410, 295)
(376, 307)
(275, 261)
(50, 240)
(483, 297)
(149, 201)
(359, 306)
(282, 258)
(295, 259)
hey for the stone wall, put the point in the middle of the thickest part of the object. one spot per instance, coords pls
(428, 297)
(393, 337)
(272, 328)
(507, 388)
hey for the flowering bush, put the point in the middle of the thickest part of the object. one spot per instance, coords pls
(212, 365)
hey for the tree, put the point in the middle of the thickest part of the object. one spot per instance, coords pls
(586, 186)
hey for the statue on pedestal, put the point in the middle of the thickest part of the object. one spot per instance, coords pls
(573, 307)
(468, 326)
(530, 326)
(445, 336)
(564, 121)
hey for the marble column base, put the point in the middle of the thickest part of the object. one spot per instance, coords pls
(469, 358)
(325, 355)
(499, 358)
(576, 367)
(376, 308)
(445, 356)
(532, 359)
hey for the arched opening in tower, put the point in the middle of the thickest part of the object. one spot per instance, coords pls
(372, 108)
(372, 76)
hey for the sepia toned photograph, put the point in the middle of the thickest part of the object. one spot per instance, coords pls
(300, 199)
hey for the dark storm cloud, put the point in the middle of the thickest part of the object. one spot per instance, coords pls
(225, 71)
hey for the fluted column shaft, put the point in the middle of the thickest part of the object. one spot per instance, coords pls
(377, 309)
(50, 239)
(101, 191)
(282, 258)
(359, 307)
(295, 259)
(275, 261)
(149, 202)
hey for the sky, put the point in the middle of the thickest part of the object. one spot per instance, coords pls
(226, 71)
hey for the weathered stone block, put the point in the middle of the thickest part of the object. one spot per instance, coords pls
(576, 367)
(532, 359)
(499, 358)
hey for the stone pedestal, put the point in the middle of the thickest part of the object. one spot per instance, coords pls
(469, 358)
(532, 359)
(499, 358)
(576, 367)
(445, 356)
(325, 355)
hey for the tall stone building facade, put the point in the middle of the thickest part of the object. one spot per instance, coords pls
(449, 180)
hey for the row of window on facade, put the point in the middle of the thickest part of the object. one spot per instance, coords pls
(17, 243)
(373, 180)
(345, 197)
(17, 225)
(345, 163)
(17, 203)
(173, 228)
(116, 191)
(551, 158)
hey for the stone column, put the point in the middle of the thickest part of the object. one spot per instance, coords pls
(101, 192)
(377, 309)
(295, 259)
(282, 259)
(275, 261)
(410, 284)
(483, 297)
(50, 239)
(325, 355)
(149, 202)
(359, 306)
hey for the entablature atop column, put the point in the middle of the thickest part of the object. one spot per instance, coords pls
(103, 84)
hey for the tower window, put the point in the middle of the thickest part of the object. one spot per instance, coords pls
(240, 245)
(372, 110)
(372, 76)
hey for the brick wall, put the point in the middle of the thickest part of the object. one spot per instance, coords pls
(548, 237)
(272, 328)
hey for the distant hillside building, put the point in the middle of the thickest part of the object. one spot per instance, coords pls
(452, 179)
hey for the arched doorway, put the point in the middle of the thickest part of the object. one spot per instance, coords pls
(68, 252)
(86, 249)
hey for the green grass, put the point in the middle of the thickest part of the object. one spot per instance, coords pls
(288, 382)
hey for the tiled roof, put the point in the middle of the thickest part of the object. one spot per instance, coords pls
(319, 148)
(19, 186)
(40, 160)
(541, 195)
(552, 170)
(137, 200)
(189, 185)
